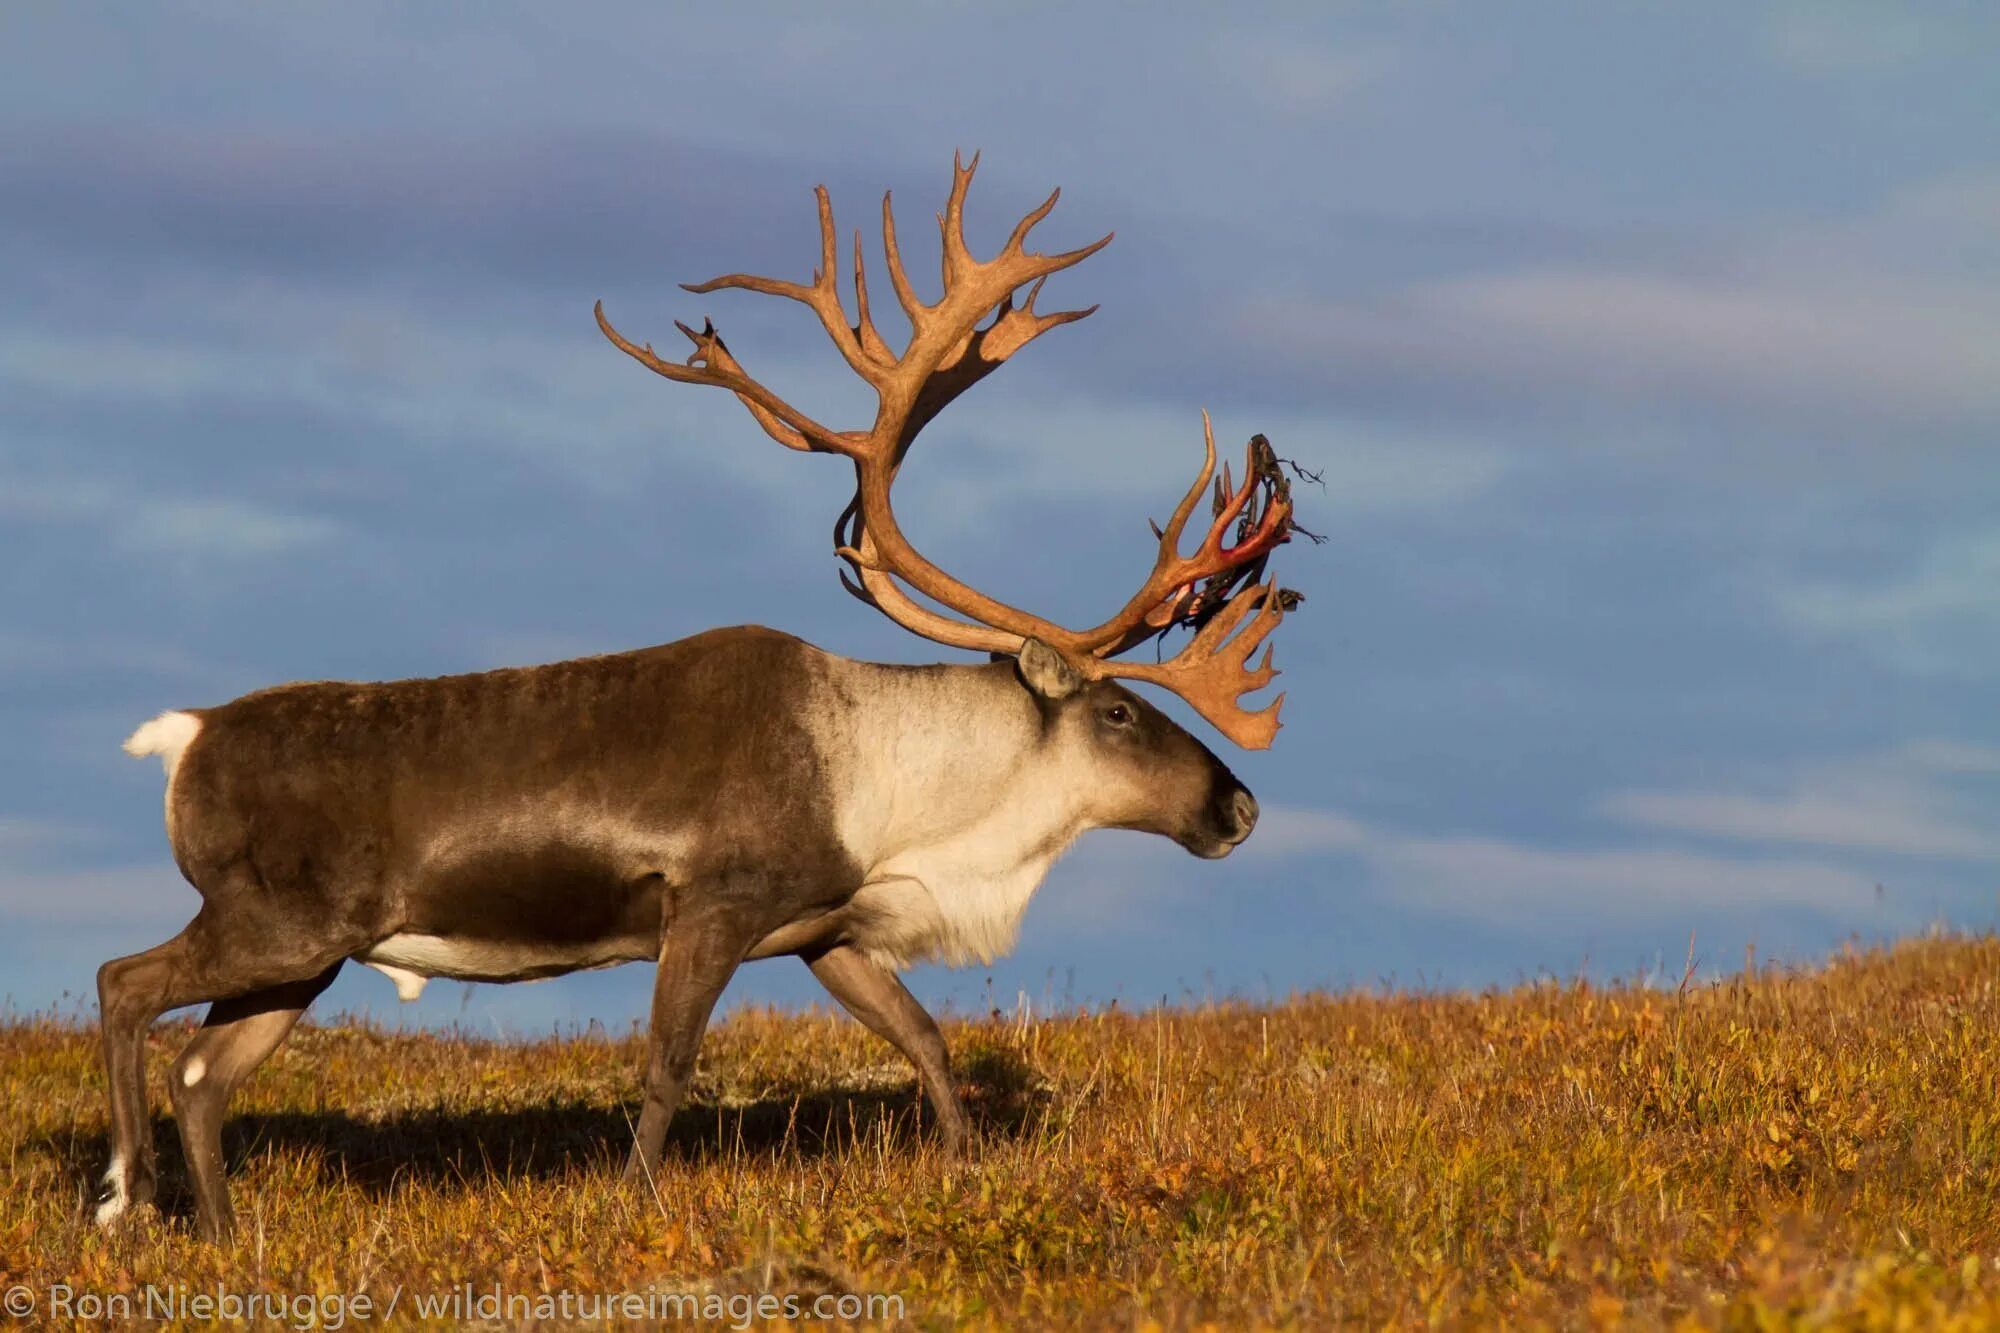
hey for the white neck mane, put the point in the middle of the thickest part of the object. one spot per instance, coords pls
(950, 800)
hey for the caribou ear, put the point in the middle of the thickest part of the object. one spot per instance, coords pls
(1046, 671)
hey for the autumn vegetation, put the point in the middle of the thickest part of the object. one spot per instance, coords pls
(1785, 1148)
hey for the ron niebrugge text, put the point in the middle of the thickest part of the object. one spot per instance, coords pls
(333, 1311)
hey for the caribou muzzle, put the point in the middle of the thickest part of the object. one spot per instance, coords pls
(1227, 821)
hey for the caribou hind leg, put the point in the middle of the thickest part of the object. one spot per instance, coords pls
(236, 1037)
(131, 993)
(879, 999)
(699, 951)
(221, 955)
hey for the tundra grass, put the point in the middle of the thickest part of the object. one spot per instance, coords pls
(1804, 1148)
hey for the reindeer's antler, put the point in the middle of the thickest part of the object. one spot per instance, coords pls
(1214, 589)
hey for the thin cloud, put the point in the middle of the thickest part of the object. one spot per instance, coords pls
(1507, 881)
(1133, 452)
(390, 369)
(1952, 757)
(1899, 802)
(169, 524)
(124, 896)
(1836, 40)
(1806, 325)
(1291, 831)
(1300, 79)
(1940, 616)
(515, 208)
(18, 835)
(1501, 881)
(1812, 819)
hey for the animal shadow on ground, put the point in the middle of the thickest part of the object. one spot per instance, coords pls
(1002, 1095)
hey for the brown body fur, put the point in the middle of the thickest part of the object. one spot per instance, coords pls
(671, 766)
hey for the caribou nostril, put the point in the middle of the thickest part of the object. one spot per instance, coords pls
(1245, 807)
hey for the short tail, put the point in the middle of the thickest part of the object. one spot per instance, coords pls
(166, 736)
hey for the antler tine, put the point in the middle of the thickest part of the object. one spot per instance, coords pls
(1174, 575)
(955, 259)
(821, 295)
(1170, 540)
(865, 333)
(1027, 224)
(941, 333)
(906, 295)
(1271, 529)
(948, 352)
(711, 363)
(1210, 672)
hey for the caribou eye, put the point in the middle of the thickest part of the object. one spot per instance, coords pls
(1119, 715)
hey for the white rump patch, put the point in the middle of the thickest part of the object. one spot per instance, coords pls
(114, 1207)
(192, 1074)
(409, 985)
(166, 736)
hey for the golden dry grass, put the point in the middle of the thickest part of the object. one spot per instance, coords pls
(1806, 1148)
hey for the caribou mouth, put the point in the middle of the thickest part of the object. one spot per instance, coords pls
(1211, 849)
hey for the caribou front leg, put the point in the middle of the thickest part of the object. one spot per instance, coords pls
(699, 952)
(878, 997)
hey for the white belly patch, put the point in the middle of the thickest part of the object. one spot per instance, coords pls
(410, 960)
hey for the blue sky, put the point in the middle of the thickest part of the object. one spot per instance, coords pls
(1652, 355)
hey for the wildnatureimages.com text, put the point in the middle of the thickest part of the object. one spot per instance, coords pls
(333, 1311)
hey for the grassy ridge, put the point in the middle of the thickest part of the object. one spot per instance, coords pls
(1791, 1147)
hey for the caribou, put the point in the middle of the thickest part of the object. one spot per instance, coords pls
(736, 795)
